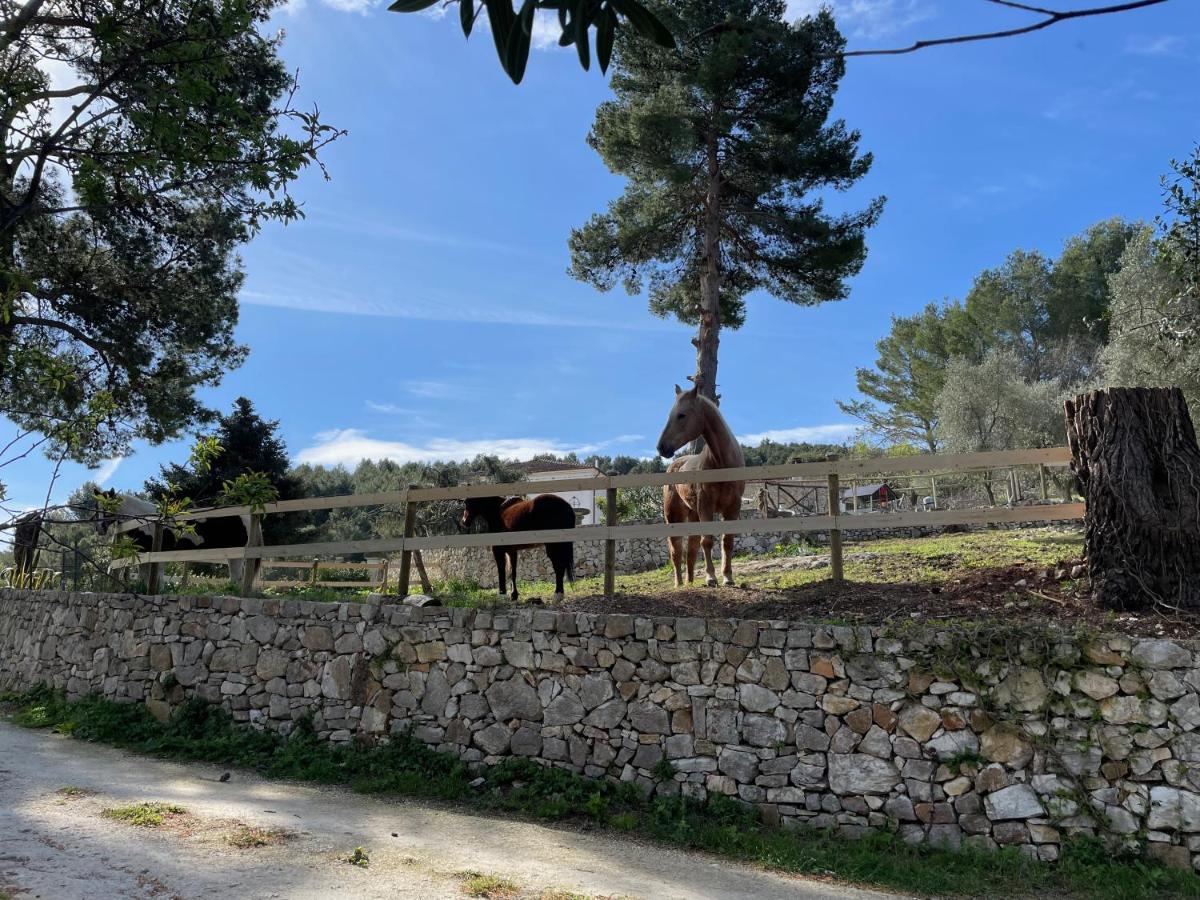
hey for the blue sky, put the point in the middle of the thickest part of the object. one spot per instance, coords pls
(423, 307)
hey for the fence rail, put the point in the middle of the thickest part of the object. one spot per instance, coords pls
(833, 521)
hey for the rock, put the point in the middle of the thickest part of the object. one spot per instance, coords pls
(1161, 655)
(262, 628)
(1004, 744)
(594, 689)
(858, 773)
(738, 764)
(1172, 855)
(919, 722)
(437, 693)
(991, 778)
(757, 699)
(518, 654)
(648, 718)
(1122, 710)
(809, 738)
(838, 706)
(1095, 685)
(272, 664)
(1023, 690)
(514, 699)
(335, 679)
(877, 743)
(1186, 712)
(950, 744)
(565, 709)
(1173, 809)
(1017, 801)
(763, 731)
(607, 715)
(493, 740)
(317, 637)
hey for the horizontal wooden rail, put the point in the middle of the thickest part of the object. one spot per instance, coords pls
(1048, 513)
(925, 462)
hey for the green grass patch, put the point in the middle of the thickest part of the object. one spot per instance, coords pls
(143, 815)
(73, 792)
(491, 887)
(358, 857)
(199, 731)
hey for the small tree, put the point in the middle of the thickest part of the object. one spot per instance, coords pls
(726, 141)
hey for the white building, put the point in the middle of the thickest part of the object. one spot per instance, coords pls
(552, 470)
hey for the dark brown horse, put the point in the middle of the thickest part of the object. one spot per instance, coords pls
(544, 511)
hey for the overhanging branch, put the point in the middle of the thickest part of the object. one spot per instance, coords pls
(1049, 17)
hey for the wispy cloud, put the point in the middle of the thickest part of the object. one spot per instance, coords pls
(347, 446)
(107, 469)
(390, 232)
(439, 310)
(811, 433)
(868, 19)
(390, 408)
(1094, 106)
(1155, 45)
(434, 390)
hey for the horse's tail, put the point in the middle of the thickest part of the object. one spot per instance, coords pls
(571, 563)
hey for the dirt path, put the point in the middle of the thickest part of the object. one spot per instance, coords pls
(60, 848)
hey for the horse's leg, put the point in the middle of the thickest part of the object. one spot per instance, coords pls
(707, 513)
(512, 559)
(731, 512)
(558, 559)
(675, 551)
(498, 554)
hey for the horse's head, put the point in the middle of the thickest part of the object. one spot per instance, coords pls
(685, 422)
(108, 506)
(480, 514)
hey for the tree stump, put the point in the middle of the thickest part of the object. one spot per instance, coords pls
(1135, 454)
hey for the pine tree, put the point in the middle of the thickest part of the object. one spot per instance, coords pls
(726, 142)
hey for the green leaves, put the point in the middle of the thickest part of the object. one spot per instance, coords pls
(512, 31)
(253, 489)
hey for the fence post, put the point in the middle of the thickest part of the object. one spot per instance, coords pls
(1042, 480)
(187, 571)
(250, 567)
(410, 529)
(312, 575)
(610, 544)
(62, 571)
(933, 490)
(155, 567)
(835, 533)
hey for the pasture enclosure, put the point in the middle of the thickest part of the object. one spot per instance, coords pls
(831, 520)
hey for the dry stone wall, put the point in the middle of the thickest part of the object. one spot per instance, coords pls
(989, 738)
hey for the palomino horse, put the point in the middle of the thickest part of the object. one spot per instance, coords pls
(545, 511)
(217, 532)
(691, 417)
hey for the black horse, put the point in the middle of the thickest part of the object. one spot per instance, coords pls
(545, 511)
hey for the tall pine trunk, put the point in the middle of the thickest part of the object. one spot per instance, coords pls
(708, 333)
(1134, 451)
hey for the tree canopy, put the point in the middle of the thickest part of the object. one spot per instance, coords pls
(143, 142)
(726, 142)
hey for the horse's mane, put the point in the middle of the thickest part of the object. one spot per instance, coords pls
(510, 501)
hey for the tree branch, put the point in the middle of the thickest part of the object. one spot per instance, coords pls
(82, 336)
(14, 26)
(1051, 17)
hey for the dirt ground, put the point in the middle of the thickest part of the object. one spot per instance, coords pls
(56, 844)
(1030, 592)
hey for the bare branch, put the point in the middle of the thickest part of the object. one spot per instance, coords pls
(1051, 17)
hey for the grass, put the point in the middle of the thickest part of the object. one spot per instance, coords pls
(73, 792)
(358, 857)
(405, 766)
(143, 815)
(250, 837)
(491, 887)
(936, 560)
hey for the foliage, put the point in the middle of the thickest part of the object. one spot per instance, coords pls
(635, 504)
(1156, 296)
(143, 815)
(404, 765)
(120, 216)
(242, 458)
(725, 141)
(1049, 318)
(512, 30)
(990, 406)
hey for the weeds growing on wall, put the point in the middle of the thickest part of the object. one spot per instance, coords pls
(199, 731)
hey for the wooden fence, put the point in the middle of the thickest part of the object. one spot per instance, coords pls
(833, 520)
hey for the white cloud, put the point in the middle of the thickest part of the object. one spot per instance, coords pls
(107, 469)
(433, 390)
(817, 434)
(1155, 45)
(347, 446)
(441, 310)
(546, 30)
(389, 408)
(869, 19)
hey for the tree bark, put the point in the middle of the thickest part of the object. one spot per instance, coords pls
(1134, 451)
(708, 334)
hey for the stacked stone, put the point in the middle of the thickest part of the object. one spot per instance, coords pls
(839, 727)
